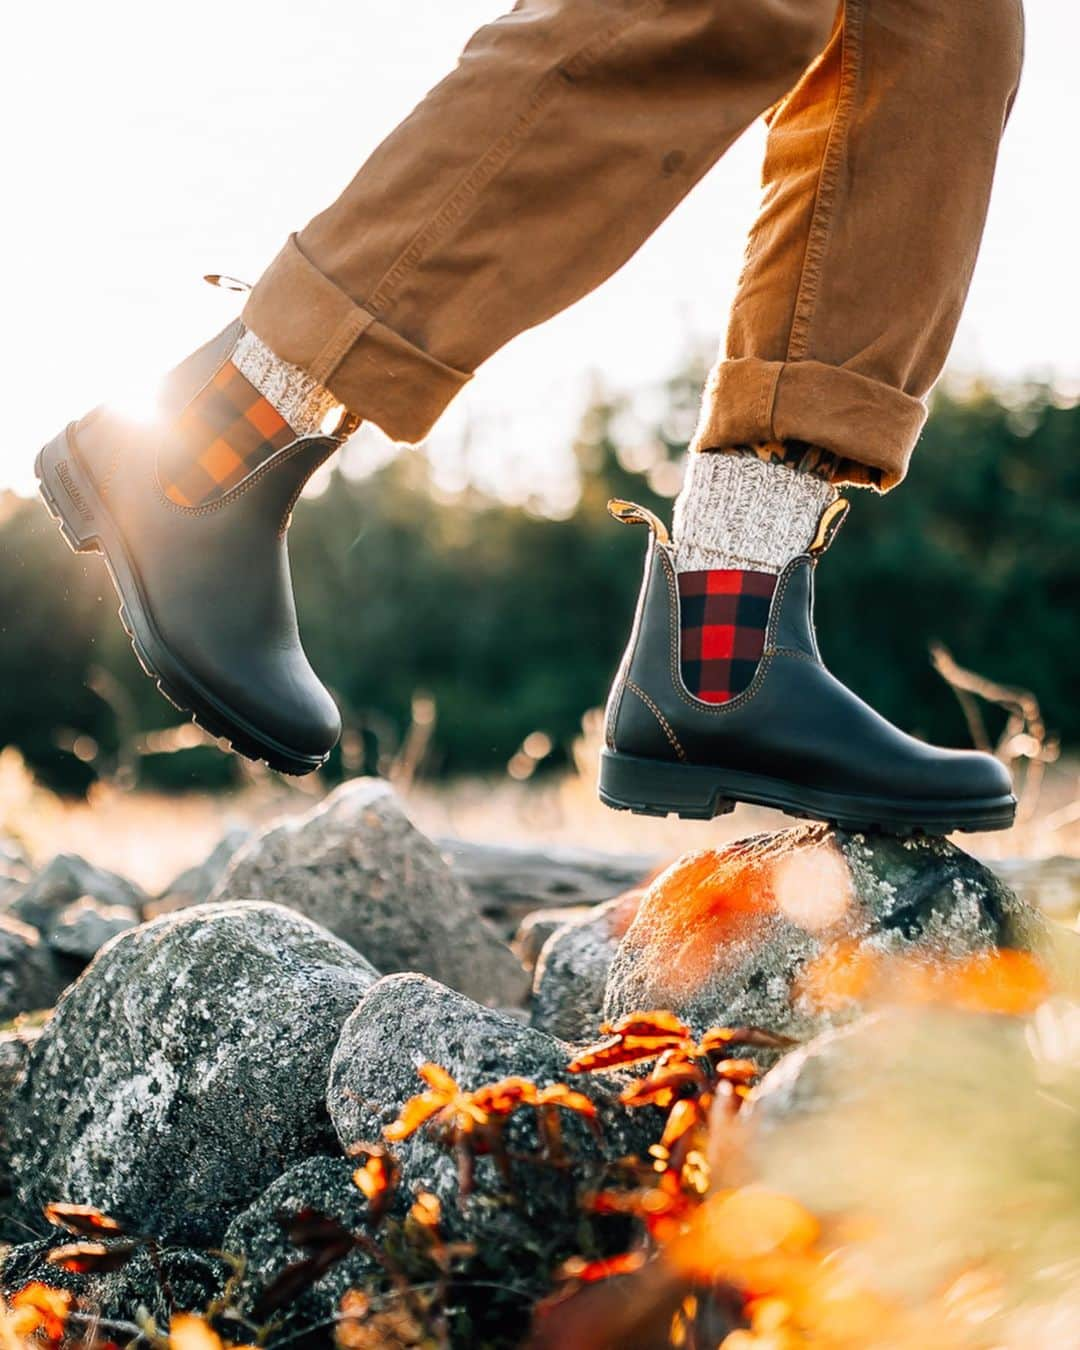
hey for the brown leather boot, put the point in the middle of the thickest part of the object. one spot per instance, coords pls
(795, 739)
(203, 579)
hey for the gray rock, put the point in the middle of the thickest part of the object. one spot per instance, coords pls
(509, 882)
(15, 1047)
(186, 1069)
(14, 862)
(951, 1135)
(68, 878)
(259, 1235)
(24, 1262)
(535, 929)
(571, 974)
(193, 1278)
(31, 978)
(180, 1279)
(722, 936)
(1049, 884)
(195, 884)
(81, 929)
(815, 1079)
(522, 1228)
(359, 867)
(14, 869)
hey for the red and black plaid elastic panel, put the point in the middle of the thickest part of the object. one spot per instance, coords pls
(724, 614)
(223, 435)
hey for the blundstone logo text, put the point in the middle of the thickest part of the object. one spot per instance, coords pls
(64, 474)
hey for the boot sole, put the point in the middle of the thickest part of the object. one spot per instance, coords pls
(87, 527)
(651, 787)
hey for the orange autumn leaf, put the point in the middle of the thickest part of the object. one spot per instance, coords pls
(588, 1272)
(360, 1327)
(354, 1303)
(800, 1298)
(1004, 981)
(662, 1208)
(189, 1331)
(442, 1091)
(734, 1227)
(696, 1172)
(376, 1177)
(610, 1202)
(436, 1077)
(83, 1220)
(84, 1258)
(783, 1339)
(503, 1096)
(659, 1022)
(415, 1112)
(660, 1034)
(558, 1094)
(684, 1116)
(473, 1120)
(638, 1035)
(39, 1307)
(370, 1179)
(768, 1314)
(663, 1085)
(843, 973)
(717, 1039)
(353, 1311)
(616, 1051)
(737, 1072)
(426, 1210)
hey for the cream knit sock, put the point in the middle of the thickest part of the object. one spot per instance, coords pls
(308, 407)
(738, 511)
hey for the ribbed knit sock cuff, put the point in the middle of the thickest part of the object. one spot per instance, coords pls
(738, 511)
(308, 407)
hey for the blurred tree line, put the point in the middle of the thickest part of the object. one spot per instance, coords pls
(514, 623)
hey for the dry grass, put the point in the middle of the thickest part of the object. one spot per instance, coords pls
(151, 836)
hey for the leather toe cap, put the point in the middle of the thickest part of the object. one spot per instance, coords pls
(298, 713)
(973, 774)
(317, 728)
(275, 695)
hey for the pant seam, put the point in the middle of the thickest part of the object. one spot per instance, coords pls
(769, 387)
(488, 165)
(821, 217)
(334, 350)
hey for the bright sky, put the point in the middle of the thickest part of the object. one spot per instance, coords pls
(147, 145)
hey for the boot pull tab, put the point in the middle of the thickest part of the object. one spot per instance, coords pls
(632, 514)
(226, 283)
(831, 519)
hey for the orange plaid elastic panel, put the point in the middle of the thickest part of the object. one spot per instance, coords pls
(225, 433)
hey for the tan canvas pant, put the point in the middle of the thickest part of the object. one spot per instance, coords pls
(571, 128)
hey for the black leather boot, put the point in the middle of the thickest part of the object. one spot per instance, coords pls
(205, 592)
(795, 739)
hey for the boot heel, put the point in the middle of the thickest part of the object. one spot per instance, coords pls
(68, 495)
(649, 787)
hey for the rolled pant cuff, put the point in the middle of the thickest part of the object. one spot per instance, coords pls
(307, 320)
(749, 400)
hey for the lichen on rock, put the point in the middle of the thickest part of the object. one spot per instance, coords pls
(722, 936)
(358, 866)
(186, 1069)
(520, 1224)
(572, 969)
